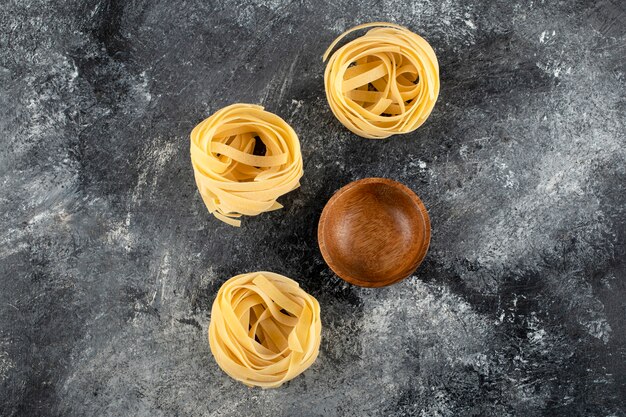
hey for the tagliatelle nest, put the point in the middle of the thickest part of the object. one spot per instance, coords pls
(232, 179)
(383, 83)
(264, 330)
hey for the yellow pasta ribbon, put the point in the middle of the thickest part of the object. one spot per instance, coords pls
(232, 179)
(383, 83)
(265, 330)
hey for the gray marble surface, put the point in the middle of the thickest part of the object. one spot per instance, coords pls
(109, 261)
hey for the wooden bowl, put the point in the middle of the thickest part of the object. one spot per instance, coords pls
(374, 232)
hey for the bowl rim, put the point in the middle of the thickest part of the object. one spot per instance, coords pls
(345, 275)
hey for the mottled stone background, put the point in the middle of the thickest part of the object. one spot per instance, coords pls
(109, 261)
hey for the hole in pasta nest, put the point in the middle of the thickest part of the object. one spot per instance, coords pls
(259, 147)
(261, 336)
(282, 310)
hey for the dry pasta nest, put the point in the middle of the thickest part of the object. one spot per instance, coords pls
(264, 330)
(383, 83)
(244, 158)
